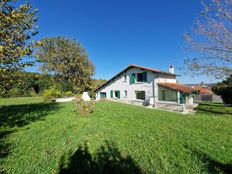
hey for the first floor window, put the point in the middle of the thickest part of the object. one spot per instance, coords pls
(140, 77)
(166, 94)
(140, 95)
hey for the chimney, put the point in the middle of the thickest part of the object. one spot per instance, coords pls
(171, 69)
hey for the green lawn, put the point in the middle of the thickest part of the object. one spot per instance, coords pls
(36, 137)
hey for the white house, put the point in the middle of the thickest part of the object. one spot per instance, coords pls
(146, 86)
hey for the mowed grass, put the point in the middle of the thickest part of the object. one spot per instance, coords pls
(117, 138)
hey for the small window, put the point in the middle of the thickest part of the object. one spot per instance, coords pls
(140, 77)
(140, 95)
(124, 78)
(117, 94)
(125, 94)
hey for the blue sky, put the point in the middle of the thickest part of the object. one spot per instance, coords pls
(117, 33)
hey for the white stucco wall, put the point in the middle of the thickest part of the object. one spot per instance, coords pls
(162, 79)
(150, 87)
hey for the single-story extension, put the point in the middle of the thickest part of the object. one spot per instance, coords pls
(146, 86)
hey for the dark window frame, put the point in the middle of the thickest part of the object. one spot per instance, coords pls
(140, 77)
(141, 96)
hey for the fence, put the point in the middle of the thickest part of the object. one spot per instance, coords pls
(208, 98)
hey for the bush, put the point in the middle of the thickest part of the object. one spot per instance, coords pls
(224, 89)
(68, 94)
(225, 92)
(51, 94)
(83, 107)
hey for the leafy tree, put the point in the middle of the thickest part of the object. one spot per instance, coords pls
(29, 84)
(95, 83)
(44, 82)
(67, 61)
(17, 26)
(210, 40)
(225, 90)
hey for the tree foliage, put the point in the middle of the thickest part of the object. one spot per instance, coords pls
(17, 26)
(67, 61)
(95, 83)
(210, 40)
(224, 89)
(28, 84)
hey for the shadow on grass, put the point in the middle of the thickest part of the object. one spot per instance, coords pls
(108, 160)
(213, 108)
(4, 145)
(212, 165)
(21, 115)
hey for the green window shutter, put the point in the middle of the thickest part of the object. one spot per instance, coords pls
(119, 96)
(145, 76)
(132, 78)
(111, 94)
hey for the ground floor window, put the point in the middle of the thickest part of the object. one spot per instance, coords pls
(125, 94)
(165, 94)
(102, 95)
(117, 94)
(140, 95)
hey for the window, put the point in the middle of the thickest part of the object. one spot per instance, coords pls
(124, 78)
(102, 95)
(140, 95)
(166, 94)
(140, 77)
(117, 94)
(125, 94)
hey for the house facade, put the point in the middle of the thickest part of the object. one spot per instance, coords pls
(146, 86)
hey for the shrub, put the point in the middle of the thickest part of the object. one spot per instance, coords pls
(225, 92)
(224, 89)
(83, 107)
(68, 94)
(51, 94)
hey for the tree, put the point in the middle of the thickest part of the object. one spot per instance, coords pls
(17, 26)
(29, 84)
(224, 89)
(95, 83)
(211, 39)
(67, 61)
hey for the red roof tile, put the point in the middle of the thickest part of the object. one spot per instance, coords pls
(178, 87)
(203, 90)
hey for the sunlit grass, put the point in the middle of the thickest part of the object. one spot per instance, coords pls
(154, 141)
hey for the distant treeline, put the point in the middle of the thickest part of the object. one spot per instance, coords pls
(32, 84)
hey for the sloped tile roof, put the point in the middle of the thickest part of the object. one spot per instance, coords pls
(178, 87)
(203, 90)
